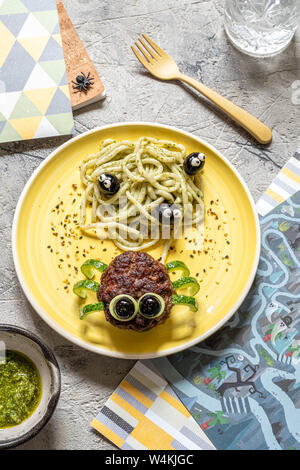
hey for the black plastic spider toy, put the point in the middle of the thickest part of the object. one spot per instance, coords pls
(83, 82)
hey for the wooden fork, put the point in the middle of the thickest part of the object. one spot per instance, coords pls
(162, 66)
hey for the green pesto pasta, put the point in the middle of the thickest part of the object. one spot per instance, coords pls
(150, 172)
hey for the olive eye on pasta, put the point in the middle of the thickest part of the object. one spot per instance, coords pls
(168, 214)
(123, 307)
(108, 184)
(194, 163)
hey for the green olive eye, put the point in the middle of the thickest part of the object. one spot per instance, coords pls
(151, 305)
(123, 307)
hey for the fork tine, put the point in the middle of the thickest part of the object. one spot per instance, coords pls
(140, 58)
(151, 51)
(145, 53)
(154, 45)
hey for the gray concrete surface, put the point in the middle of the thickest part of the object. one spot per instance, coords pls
(191, 31)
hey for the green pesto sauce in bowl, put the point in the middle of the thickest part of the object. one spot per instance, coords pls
(20, 389)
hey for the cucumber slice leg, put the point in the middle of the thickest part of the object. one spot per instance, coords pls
(190, 282)
(178, 266)
(185, 300)
(90, 308)
(90, 267)
(81, 287)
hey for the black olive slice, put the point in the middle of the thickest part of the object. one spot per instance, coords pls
(109, 184)
(167, 213)
(193, 163)
(123, 307)
(151, 305)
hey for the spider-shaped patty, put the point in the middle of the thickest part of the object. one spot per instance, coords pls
(136, 274)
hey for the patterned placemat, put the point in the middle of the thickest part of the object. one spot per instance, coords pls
(34, 92)
(286, 183)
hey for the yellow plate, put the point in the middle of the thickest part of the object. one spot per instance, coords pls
(46, 263)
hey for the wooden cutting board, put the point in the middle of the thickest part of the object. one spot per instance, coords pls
(78, 61)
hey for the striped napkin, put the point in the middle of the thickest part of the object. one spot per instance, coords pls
(144, 412)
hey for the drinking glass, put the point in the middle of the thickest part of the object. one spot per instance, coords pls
(261, 28)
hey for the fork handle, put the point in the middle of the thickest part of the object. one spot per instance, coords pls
(256, 128)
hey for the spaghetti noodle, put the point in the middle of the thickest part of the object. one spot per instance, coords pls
(150, 173)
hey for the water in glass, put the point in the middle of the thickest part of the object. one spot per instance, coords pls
(261, 27)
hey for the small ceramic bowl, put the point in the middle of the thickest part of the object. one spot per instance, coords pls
(20, 340)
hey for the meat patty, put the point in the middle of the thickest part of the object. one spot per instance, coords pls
(136, 274)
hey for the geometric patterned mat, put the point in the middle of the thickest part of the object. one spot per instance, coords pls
(34, 92)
